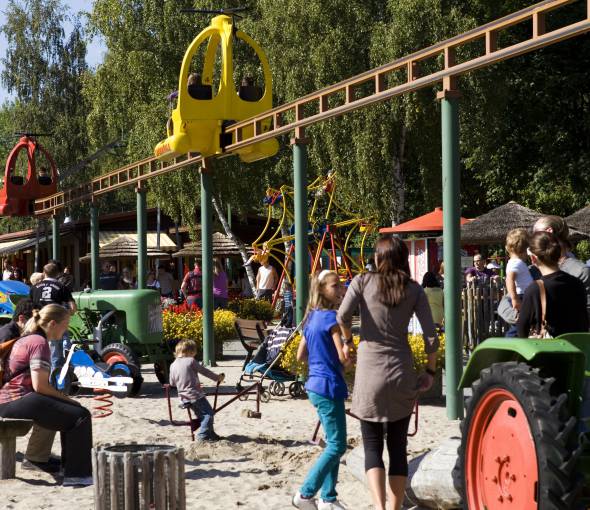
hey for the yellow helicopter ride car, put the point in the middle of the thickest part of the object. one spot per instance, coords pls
(197, 123)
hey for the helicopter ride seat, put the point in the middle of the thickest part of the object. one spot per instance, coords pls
(21, 187)
(202, 113)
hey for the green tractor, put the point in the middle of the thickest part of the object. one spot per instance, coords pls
(123, 326)
(523, 442)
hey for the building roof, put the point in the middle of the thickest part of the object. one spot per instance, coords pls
(166, 244)
(492, 227)
(580, 220)
(430, 222)
(124, 247)
(223, 246)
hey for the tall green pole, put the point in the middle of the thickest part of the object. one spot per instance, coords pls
(55, 236)
(94, 247)
(451, 178)
(301, 226)
(207, 263)
(141, 238)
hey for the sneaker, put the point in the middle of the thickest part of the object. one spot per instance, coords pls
(77, 481)
(53, 465)
(302, 503)
(330, 505)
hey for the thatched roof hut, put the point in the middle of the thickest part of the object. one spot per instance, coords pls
(223, 246)
(492, 227)
(123, 247)
(580, 220)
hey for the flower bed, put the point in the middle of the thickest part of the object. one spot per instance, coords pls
(181, 322)
(290, 363)
(252, 309)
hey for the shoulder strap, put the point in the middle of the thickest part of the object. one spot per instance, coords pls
(543, 296)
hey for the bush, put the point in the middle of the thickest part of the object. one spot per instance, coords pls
(582, 250)
(189, 324)
(252, 309)
(290, 363)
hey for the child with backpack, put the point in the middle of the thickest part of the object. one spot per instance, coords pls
(321, 344)
(184, 375)
(192, 287)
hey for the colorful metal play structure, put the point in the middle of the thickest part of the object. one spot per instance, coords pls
(332, 231)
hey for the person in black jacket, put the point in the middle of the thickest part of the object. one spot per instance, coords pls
(566, 297)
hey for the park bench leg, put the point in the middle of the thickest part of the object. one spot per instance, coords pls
(7, 457)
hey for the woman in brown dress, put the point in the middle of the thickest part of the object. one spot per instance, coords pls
(386, 384)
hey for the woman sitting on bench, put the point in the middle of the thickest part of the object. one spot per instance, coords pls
(27, 394)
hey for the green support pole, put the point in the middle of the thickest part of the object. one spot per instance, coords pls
(141, 238)
(55, 237)
(207, 264)
(94, 247)
(301, 227)
(451, 178)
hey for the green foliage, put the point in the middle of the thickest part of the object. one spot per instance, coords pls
(582, 250)
(252, 309)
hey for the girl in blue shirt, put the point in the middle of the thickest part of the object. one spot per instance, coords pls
(321, 345)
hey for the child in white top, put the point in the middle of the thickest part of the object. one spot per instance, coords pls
(518, 276)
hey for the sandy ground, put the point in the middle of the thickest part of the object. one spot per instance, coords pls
(259, 463)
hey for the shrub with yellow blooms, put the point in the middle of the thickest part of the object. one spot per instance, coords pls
(416, 341)
(178, 326)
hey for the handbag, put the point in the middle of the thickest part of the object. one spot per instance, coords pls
(505, 310)
(541, 330)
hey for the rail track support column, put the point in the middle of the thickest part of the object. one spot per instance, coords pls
(141, 237)
(451, 179)
(94, 247)
(207, 262)
(299, 144)
(55, 237)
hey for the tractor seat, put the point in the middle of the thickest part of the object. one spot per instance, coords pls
(18, 180)
(200, 91)
(250, 93)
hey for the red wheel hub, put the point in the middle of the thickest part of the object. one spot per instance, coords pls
(501, 469)
(112, 358)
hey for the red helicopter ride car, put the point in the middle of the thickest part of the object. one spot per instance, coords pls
(30, 174)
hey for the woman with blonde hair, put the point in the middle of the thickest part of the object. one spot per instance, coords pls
(27, 394)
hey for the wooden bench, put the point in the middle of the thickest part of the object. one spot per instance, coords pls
(10, 429)
(251, 334)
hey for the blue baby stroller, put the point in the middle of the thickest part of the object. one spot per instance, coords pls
(264, 365)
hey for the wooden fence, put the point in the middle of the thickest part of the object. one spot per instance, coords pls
(479, 304)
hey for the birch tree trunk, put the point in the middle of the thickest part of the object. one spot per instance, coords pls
(399, 179)
(236, 240)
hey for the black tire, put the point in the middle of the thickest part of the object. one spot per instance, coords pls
(162, 371)
(297, 389)
(551, 427)
(70, 388)
(132, 362)
(265, 396)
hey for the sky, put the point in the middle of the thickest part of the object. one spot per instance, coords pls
(95, 48)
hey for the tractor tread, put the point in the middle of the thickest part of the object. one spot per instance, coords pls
(550, 425)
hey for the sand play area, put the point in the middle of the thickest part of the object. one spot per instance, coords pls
(258, 464)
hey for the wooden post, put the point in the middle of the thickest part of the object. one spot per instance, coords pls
(7, 458)
(10, 429)
(146, 479)
(159, 482)
(113, 477)
(129, 479)
(181, 486)
(172, 480)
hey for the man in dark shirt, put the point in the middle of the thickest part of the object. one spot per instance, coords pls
(38, 454)
(50, 291)
(109, 278)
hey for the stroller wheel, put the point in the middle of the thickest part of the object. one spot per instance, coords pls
(296, 389)
(265, 396)
(243, 397)
(272, 388)
(279, 388)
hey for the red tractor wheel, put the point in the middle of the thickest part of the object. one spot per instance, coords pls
(516, 448)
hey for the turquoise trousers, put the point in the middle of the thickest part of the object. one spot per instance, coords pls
(324, 473)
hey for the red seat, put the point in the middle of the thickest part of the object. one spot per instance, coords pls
(19, 192)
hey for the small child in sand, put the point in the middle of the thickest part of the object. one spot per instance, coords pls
(184, 375)
(321, 344)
